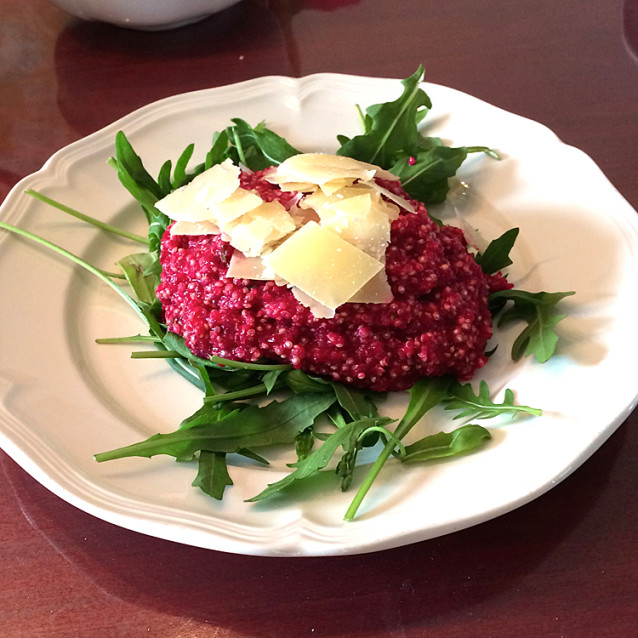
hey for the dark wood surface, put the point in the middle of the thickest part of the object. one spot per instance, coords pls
(563, 565)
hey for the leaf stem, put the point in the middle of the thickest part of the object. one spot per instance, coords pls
(132, 339)
(156, 354)
(86, 218)
(424, 395)
(490, 152)
(244, 365)
(240, 149)
(112, 275)
(369, 479)
(238, 394)
(80, 262)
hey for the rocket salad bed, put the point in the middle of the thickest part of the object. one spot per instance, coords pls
(227, 424)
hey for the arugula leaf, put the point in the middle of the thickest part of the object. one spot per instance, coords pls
(300, 382)
(179, 175)
(497, 254)
(130, 163)
(211, 413)
(177, 343)
(273, 147)
(345, 437)
(304, 442)
(137, 180)
(253, 456)
(424, 395)
(212, 474)
(277, 422)
(139, 272)
(355, 402)
(270, 379)
(390, 127)
(463, 440)
(392, 140)
(480, 406)
(256, 148)
(80, 262)
(424, 174)
(539, 311)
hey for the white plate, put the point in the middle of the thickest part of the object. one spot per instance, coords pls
(65, 398)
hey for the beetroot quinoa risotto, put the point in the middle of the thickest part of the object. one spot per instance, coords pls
(438, 322)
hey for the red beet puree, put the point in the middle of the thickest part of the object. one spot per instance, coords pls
(438, 322)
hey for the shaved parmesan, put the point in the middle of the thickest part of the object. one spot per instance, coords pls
(319, 168)
(298, 187)
(336, 184)
(192, 202)
(242, 267)
(322, 265)
(238, 204)
(195, 228)
(360, 221)
(377, 290)
(318, 310)
(328, 248)
(259, 228)
(397, 199)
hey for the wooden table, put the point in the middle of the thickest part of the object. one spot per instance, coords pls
(565, 564)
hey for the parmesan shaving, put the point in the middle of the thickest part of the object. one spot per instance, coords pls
(320, 168)
(192, 202)
(242, 267)
(322, 265)
(258, 229)
(195, 228)
(238, 204)
(397, 199)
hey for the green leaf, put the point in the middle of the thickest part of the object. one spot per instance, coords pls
(164, 177)
(270, 379)
(300, 382)
(274, 147)
(218, 151)
(211, 413)
(355, 402)
(304, 442)
(317, 460)
(391, 127)
(392, 140)
(253, 456)
(480, 406)
(212, 474)
(177, 344)
(179, 175)
(136, 269)
(424, 395)
(277, 422)
(497, 254)
(256, 148)
(130, 163)
(137, 180)
(539, 311)
(463, 440)
(424, 174)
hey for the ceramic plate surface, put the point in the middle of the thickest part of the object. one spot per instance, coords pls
(64, 398)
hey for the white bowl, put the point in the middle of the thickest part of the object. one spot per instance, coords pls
(149, 15)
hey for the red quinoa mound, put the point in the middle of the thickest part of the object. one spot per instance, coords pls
(438, 322)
